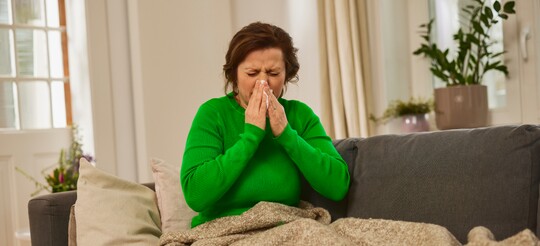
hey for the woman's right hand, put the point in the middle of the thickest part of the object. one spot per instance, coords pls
(256, 108)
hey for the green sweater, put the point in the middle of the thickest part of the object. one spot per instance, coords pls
(229, 165)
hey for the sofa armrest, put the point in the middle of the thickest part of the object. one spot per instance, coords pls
(49, 218)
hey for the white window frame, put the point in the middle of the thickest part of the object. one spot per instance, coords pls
(19, 79)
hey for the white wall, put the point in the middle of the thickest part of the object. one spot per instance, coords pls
(99, 82)
(152, 63)
(182, 45)
(396, 73)
(181, 61)
(299, 19)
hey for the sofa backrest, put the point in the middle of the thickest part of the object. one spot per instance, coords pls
(458, 179)
(348, 149)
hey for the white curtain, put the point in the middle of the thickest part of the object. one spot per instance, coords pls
(345, 71)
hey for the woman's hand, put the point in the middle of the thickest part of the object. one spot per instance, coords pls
(276, 114)
(256, 108)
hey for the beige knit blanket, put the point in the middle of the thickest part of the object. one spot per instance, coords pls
(276, 224)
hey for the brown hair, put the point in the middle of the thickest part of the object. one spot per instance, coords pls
(257, 36)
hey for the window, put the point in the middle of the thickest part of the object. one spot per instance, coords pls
(34, 75)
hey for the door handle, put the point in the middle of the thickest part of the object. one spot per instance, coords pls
(524, 35)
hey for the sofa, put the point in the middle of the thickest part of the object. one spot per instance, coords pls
(458, 179)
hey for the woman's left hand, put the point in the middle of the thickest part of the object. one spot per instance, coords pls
(276, 114)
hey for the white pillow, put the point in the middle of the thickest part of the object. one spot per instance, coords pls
(175, 213)
(112, 211)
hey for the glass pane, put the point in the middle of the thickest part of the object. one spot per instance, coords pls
(55, 54)
(495, 80)
(449, 17)
(6, 57)
(31, 50)
(58, 104)
(8, 109)
(5, 9)
(30, 12)
(35, 105)
(53, 19)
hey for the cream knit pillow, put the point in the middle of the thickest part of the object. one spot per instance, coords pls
(175, 213)
(112, 211)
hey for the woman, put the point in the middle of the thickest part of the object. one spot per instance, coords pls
(252, 145)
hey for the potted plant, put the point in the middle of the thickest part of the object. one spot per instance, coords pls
(65, 174)
(413, 114)
(463, 102)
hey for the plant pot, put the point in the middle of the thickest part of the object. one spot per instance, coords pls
(461, 107)
(414, 123)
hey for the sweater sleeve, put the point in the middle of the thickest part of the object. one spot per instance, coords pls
(315, 155)
(208, 172)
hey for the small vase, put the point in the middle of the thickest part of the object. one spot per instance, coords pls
(415, 123)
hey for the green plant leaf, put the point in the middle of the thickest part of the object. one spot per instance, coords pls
(470, 80)
(460, 77)
(473, 39)
(488, 13)
(485, 21)
(502, 68)
(497, 54)
(509, 7)
(497, 6)
(504, 16)
(478, 28)
(439, 74)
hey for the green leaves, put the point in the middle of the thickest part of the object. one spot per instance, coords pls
(473, 58)
(497, 6)
(398, 108)
(509, 7)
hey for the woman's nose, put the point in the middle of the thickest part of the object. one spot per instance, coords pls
(263, 76)
(265, 79)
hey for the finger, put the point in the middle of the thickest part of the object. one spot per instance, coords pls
(267, 99)
(255, 98)
(273, 104)
(264, 96)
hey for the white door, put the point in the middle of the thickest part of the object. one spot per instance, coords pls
(32, 151)
(528, 26)
(516, 98)
(33, 120)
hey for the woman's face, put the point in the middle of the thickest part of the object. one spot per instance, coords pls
(265, 64)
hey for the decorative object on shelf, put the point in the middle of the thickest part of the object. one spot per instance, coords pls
(65, 174)
(414, 114)
(415, 123)
(463, 102)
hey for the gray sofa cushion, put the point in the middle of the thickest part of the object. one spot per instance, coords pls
(458, 179)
